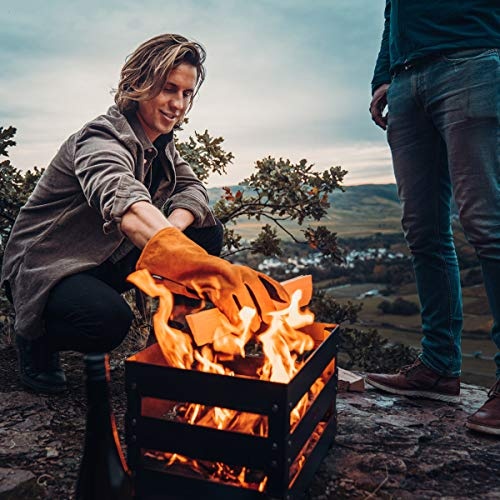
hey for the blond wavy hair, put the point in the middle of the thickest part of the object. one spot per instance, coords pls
(147, 68)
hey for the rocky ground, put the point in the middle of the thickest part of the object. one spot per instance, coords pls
(394, 447)
(386, 447)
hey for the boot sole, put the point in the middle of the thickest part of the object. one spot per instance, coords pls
(417, 394)
(483, 429)
(40, 388)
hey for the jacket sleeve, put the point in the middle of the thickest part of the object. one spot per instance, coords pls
(382, 73)
(105, 169)
(189, 193)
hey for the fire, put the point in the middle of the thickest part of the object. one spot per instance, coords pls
(282, 344)
(229, 340)
(175, 345)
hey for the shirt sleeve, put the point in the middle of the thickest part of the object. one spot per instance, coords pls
(382, 73)
(189, 193)
(105, 169)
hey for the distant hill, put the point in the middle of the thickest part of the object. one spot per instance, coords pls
(359, 211)
(365, 194)
(365, 209)
(352, 197)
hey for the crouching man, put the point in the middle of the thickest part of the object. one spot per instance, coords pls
(97, 213)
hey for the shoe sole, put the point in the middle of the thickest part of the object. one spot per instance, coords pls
(418, 394)
(483, 429)
(44, 389)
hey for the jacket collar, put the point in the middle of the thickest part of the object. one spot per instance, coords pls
(136, 126)
(150, 148)
(154, 147)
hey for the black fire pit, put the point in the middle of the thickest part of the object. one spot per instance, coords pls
(287, 456)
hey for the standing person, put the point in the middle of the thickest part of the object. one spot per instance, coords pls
(97, 213)
(438, 71)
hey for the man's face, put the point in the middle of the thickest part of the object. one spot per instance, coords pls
(160, 114)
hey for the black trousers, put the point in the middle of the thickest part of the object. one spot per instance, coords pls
(85, 312)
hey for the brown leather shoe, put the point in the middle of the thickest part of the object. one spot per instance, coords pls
(419, 381)
(487, 418)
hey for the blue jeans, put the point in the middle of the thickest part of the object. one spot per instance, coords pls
(443, 130)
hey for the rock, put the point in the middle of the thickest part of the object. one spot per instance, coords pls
(25, 418)
(18, 483)
(395, 447)
(52, 453)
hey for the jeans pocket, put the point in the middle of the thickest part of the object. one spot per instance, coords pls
(463, 55)
(481, 77)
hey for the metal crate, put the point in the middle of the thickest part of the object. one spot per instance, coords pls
(148, 377)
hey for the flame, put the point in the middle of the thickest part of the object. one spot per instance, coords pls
(175, 345)
(228, 339)
(282, 344)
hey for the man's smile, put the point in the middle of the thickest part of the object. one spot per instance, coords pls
(168, 116)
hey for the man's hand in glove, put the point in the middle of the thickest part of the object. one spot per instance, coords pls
(188, 269)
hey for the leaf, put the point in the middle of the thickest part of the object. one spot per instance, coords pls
(228, 194)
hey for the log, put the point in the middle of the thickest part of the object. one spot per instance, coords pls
(350, 382)
(204, 324)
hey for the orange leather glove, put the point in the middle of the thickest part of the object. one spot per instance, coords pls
(188, 269)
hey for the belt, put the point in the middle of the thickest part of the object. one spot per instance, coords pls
(414, 64)
(417, 63)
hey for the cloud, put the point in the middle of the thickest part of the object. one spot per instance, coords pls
(285, 78)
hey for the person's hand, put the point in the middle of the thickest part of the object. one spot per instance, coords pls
(378, 104)
(187, 269)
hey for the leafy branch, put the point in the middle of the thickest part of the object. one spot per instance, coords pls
(15, 186)
(6, 141)
(284, 193)
(205, 154)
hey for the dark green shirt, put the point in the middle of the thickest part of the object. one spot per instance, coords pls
(417, 29)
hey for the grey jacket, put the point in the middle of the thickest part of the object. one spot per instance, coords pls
(71, 221)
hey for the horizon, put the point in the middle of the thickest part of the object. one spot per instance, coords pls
(220, 186)
(301, 91)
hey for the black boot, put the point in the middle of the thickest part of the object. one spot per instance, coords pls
(39, 369)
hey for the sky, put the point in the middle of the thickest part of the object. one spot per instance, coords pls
(285, 78)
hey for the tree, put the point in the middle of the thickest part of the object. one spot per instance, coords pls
(400, 307)
(15, 188)
(360, 349)
(279, 192)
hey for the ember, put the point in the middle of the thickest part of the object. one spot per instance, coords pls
(215, 417)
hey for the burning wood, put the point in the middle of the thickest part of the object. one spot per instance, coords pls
(282, 342)
(219, 347)
(302, 283)
(207, 325)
